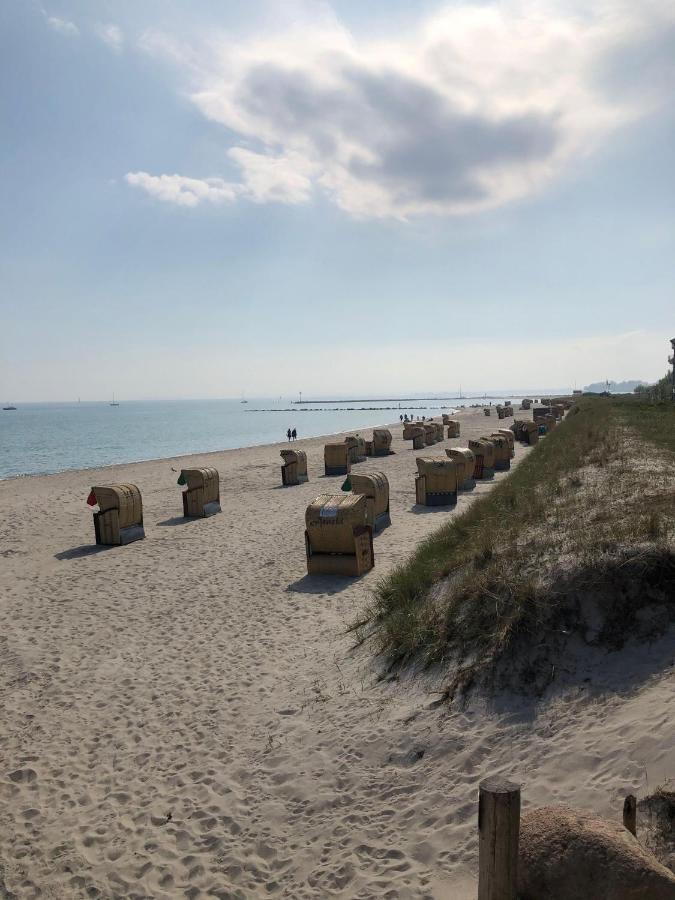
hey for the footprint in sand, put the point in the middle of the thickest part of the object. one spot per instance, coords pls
(183, 840)
(23, 776)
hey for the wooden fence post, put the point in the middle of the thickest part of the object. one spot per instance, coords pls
(498, 832)
(630, 814)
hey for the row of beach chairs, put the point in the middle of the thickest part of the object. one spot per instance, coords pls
(503, 410)
(119, 519)
(338, 457)
(424, 434)
(339, 528)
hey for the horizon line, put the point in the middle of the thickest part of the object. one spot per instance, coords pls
(473, 395)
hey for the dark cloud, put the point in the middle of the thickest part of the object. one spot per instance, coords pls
(423, 148)
(431, 150)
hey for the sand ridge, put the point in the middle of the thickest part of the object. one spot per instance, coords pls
(186, 717)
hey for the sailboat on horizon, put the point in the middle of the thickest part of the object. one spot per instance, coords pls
(113, 401)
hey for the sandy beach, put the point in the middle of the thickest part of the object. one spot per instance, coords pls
(186, 716)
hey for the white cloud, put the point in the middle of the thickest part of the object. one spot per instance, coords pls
(183, 191)
(62, 26)
(112, 35)
(481, 105)
(280, 179)
(264, 179)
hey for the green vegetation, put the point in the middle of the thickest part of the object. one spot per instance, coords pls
(661, 391)
(653, 419)
(587, 517)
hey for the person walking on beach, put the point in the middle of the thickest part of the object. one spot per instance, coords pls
(294, 434)
(288, 434)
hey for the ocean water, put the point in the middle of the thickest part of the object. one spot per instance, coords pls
(39, 438)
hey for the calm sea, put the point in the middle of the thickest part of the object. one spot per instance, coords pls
(39, 438)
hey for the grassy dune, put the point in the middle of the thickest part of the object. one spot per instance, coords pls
(654, 421)
(578, 540)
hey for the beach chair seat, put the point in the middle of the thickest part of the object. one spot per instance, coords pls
(436, 481)
(338, 539)
(357, 448)
(201, 498)
(429, 433)
(381, 442)
(375, 488)
(294, 469)
(484, 453)
(120, 517)
(337, 459)
(465, 462)
(502, 451)
(416, 434)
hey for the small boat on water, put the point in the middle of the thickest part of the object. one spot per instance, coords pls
(113, 402)
(7, 408)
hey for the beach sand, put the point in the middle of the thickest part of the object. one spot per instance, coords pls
(186, 716)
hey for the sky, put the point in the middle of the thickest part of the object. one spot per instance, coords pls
(213, 198)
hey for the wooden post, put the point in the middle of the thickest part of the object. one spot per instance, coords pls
(630, 814)
(498, 832)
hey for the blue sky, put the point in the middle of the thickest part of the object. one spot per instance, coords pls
(208, 198)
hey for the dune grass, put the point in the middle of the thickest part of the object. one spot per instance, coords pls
(655, 421)
(570, 520)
